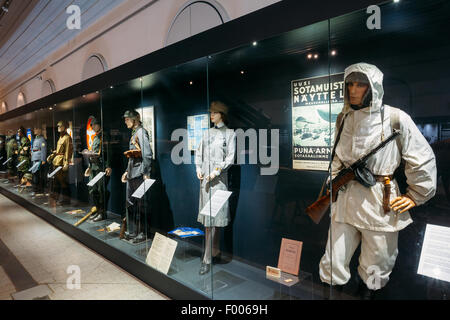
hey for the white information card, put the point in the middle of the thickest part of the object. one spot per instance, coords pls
(35, 167)
(18, 166)
(435, 256)
(54, 172)
(96, 179)
(161, 253)
(216, 203)
(143, 188)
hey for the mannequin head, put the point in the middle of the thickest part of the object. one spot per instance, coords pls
(356, 92)
(21, 132)
(358, 89)
(62, 127)
(37, 131)
(132, 119)
(218, 112)
(96, 125)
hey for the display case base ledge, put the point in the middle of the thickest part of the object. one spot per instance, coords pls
(153, 278)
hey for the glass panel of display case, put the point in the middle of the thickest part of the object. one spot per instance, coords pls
(68, 195)
(91, 158)
(275, 97)
(17, 163)
(390, 226)
(16, 147)
(42, 141)
(175, 109)
(128, 153)
(3, 157)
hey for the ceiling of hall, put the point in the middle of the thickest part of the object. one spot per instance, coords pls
(31, 30)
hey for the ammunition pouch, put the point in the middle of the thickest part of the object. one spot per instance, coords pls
(365, 177)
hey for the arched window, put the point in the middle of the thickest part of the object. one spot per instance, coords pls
(4, 107)
(21, 100)
(48, 88)
(194, 17)
(95, 65)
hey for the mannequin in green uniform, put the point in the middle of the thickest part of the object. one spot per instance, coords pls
(24, 156)
(11, 155)
(98, 160)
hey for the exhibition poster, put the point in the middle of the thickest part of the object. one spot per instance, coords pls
(316, 103)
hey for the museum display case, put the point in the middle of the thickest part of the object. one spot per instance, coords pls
(198, 175)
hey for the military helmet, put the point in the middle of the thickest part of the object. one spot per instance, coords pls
(94, 120)
(131, 114)
(28, 176)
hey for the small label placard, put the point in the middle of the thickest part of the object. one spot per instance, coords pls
(161, 253)
(20, 164)
(290, 253)
(54, 172)
(435, 256)
(35, 167)
(143, 188)
(217, 201)
(96, 179)
(273, 272)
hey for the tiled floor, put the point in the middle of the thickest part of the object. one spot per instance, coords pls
(43, 254)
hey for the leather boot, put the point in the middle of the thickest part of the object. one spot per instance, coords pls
(99, 217)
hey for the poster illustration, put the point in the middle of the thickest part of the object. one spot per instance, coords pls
(316, 103)
(196, 125)
(148, 122)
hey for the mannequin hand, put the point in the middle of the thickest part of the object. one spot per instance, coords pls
(211, 176)
(87, 172)
(402, 203)
(43, 162)
(199, 176)
(66, 167)
(124, 177)
(108, 172)
(146, 177)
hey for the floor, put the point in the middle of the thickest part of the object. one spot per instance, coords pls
(37, 261)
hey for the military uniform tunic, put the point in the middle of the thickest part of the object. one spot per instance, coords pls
(24, 155)
(39, 155)
(215, 153)
(11, 148)
(136, 169)
(97, 164)
(61, 157)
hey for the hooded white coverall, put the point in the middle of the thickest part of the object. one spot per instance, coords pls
(358, 215)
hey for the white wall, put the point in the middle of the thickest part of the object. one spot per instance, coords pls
(139, 31)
